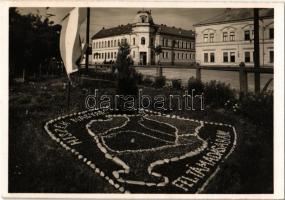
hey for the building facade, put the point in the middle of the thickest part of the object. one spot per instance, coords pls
(228, 39)
(178, 45)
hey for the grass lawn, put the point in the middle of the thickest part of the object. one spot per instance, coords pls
(38, 164)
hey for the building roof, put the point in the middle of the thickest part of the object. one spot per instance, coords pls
(167, 30)
(119, 30)
(232, 15)
(127, 29)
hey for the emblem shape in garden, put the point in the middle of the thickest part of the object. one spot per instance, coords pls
(148, 152)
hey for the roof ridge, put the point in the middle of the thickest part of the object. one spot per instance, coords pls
(236, 14)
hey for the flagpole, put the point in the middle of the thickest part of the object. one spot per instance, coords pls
(68, 96)
(87, 40)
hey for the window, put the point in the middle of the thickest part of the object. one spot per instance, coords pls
(134, 41)
(232, 57)
(205, 57)
(108, 55)
(105, 44)
(271, 56)
(205, 37)
(112, 43)
(271, 33)
(246, 35)
(115, 55)
(143, 18)
(178, 56)
(182, 55)
(166, 54)
(105, 56)
(212, 57)
(247, 56)
(143, 41)
(186, 56)
(177, 43)
(166, 42)
(225, 36)
(115, 43)
(212, 37)
(134, 54)
(112, 55)
(225, 57)
(232, 36)
(123, 41)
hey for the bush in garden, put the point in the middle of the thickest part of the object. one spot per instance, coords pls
(193, 83)
(258, 108)
(217, 94)
(148, 82)
(176, 84)
(138, 77)
(159, 81)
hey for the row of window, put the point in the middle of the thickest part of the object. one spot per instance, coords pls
(105, 55)
(116, 43)
(182, 56)
(230, 36)
(109, 43)
(177, 44)
(231, 57)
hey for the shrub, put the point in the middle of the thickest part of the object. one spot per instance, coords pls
(139, 77)
(193, 83)
(176, 84)
(217, 94)
(159, 81)
(148, 82)
(258, 108)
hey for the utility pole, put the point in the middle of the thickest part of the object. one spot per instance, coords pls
(256, 51)
(87, 40)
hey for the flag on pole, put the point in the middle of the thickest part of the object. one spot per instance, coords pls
(71, 49)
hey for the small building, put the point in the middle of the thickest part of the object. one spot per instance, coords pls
(178, 45)
(228, 39)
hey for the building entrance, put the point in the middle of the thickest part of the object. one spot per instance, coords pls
(142, 58)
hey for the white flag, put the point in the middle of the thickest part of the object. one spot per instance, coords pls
(71, 49)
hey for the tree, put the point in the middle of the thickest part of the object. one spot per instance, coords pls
(33, 41)
(126, 82)
(157, 50)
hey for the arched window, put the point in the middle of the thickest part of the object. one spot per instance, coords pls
(143, 41)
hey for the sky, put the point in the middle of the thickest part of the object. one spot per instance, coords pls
(109, 17)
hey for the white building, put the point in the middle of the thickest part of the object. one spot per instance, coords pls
(227, 39)
(178, 45)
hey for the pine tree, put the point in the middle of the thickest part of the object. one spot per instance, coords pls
(126, 82)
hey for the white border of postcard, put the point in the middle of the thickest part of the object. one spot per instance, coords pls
(278, 92)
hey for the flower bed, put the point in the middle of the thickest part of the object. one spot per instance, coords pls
(148, 152)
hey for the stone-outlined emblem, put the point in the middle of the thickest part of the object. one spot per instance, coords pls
(148, 152)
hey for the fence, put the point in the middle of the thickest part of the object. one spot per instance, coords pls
(242, 70)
